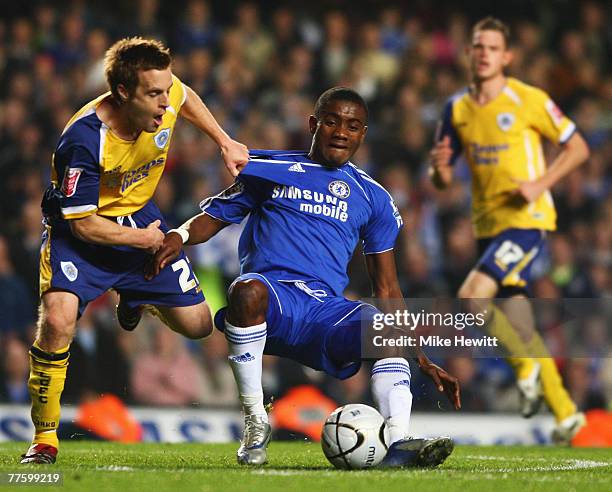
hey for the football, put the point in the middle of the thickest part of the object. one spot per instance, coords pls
(354, 436)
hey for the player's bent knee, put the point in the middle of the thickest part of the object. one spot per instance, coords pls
(465, 292)
(56, 327)
(203, 329)
(194, 322)
(248, 302)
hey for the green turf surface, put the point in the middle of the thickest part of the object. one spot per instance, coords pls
(302, 466)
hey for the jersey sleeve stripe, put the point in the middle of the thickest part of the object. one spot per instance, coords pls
(77, 210)
(378, 252)
(103, 132)
(512, 95)
(215, 217)
(276, 161)
(184, 94)
(568, 132)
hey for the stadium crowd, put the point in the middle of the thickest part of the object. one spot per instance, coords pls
(259, 67)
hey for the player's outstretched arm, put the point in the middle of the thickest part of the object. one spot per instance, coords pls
(574, 153)
(98, 230)
(196, 230)
(440, 169)
(383, 275)
(235, 155)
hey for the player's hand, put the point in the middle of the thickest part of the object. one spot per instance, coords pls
(235, 155)
(170, 249)
(528, 191)
(441, 171)
(153, 237)
(440, 155)
(445, 383)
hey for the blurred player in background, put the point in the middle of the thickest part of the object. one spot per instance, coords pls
(308, 210)
(101, 225)
(498, 123)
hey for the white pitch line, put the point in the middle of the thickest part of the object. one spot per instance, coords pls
(569, 465)
(115, 468)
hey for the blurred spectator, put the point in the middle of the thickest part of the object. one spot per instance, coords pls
(565, 272)
(335, 54)
(97, 365)
(255, 38)
(218, 384)
(166, 373)
(15, 300)
(196, 29)
(15, 371)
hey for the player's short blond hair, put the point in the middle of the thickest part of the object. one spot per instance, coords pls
(493, 24)
(128, 56)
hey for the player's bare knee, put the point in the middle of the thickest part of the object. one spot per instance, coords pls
(248, 302)
(55, 327)
(196, 324)
(466, 292)
(203, 329)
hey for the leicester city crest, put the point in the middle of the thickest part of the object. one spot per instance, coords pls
(69, 270)
(161, 139)
(505, 121)
(339, 189)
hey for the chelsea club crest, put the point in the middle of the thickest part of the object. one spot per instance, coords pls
(339, 189)
(161, 139)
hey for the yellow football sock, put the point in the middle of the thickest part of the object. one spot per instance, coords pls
(46, 383)
(555, 394)
(500, 327)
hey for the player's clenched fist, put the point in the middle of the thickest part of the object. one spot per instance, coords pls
(440, 157)
(441, 153)
(235, 155)
(170, 249)
(153, 237)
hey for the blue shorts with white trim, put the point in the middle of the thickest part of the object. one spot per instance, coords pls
(89, 270)
(308, 324)
(508, 258)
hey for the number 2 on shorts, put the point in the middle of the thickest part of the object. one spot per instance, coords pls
(185, 282)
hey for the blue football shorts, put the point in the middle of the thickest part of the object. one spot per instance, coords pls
(89, 270)
(307, 323)
(508, 258)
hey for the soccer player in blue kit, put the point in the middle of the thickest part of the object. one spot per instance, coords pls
(307, 211)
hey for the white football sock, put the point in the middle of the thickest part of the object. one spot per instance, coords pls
(391, 391)
(246, 346)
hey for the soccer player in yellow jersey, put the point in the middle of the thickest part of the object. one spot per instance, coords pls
(498, 123)
(101, 224)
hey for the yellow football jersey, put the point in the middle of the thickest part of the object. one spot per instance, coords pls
(501, 142)
(101, 173)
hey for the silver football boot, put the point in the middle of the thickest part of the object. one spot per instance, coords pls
(252, 450)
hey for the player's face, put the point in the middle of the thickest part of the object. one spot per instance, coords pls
(151, 98)
(488, 55)
(338, 132)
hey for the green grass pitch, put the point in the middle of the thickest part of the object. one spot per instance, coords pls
(92, 466)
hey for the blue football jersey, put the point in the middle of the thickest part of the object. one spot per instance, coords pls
(305, 218)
